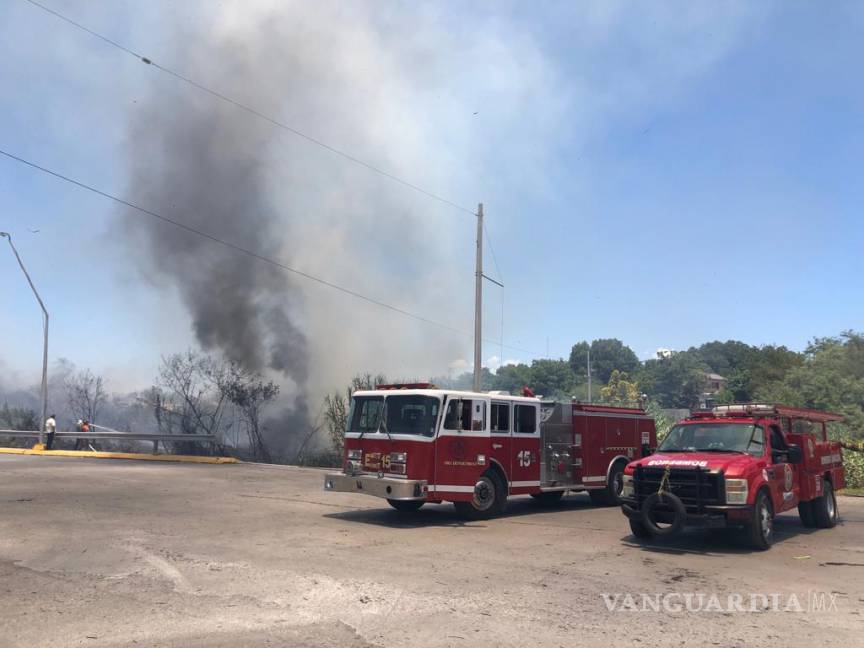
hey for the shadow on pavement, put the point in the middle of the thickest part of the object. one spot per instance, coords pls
(721, 541)
(444, 515)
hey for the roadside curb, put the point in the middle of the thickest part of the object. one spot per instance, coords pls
(120, 455)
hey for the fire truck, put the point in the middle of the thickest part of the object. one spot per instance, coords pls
(412, 444)
(740, 466)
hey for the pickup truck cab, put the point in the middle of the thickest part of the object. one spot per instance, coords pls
(737, 465)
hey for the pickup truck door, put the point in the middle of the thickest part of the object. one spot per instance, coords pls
(782, 475)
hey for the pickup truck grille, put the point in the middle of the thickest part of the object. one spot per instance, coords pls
(696, 487)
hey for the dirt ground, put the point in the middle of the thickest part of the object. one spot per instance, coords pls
(118, 553)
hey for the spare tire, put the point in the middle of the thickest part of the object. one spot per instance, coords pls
(679, 513)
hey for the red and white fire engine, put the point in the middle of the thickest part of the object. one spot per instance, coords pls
(413, 444)
(737, 465)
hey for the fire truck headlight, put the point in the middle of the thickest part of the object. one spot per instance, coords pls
(736, 491)
(627, 487)
(355, 455)
(398, 457)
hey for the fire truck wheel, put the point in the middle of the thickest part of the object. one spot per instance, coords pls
(806, 513)
(760, 528)
(679, 514)
(638, 529)
(611, 495)
(490, 497)
(825, 507)
(405, 507)
(547, 499)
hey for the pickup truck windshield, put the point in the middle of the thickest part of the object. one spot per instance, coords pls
(397, 414)
(715, 437)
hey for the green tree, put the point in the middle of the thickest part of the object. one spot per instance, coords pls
(512, 378)
(620, 390)
(675, 381)
(606, 356)
(552, 378)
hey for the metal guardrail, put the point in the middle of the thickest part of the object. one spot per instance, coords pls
(129, 436)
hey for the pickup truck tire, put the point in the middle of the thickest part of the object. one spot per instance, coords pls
(678, 521)
(807, 515)
(405, 506)
(639, 530)
(825, 507)
(547, 499)
(490, 498)
(611, 495)
(760, 528)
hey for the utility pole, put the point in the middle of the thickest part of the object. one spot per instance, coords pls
(45, 341)
(478, 304)
(589, 374)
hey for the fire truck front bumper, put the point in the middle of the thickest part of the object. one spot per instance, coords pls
(386, 487)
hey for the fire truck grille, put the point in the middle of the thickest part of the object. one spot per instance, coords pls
(697, 488)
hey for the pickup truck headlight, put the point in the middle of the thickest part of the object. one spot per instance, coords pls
(355, 455)
(736, 491)
(627, 489)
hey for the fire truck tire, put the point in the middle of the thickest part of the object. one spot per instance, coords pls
(405, 506)
(679, 518)
(611, 495)
(547, 499)
(760, 529)
(825, 507)
(638, 529)
(489, 502)
(806, 513)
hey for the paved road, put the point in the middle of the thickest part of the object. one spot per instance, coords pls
(118, 553)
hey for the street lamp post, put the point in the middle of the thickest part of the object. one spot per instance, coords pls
(45, 341)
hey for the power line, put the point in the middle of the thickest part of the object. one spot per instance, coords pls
(253, 111)
(246, 251)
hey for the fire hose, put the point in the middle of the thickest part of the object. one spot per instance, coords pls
(664, 495)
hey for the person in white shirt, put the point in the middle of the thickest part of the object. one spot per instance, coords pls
(50, 428)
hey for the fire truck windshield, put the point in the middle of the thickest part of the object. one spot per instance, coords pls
(394, 414)
(715, 437)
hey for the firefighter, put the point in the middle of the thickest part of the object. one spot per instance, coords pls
(50, 428)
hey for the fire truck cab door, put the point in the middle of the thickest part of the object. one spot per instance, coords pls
(462, 447)
(525, 451)
(783, 476)
(501, 415)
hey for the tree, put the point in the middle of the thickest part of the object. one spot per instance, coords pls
(512, 378)
(250, 392)
(606, 356)
(85, 393)
(191, 393)
(552, 378)
(675, 380)
(620, 390)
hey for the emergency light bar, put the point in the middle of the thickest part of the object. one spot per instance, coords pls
(405, 386)
(753, 409)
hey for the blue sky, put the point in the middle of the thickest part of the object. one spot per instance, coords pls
(666, 174)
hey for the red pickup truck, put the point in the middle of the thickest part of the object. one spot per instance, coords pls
(737, 465)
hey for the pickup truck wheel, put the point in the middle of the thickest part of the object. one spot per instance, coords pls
(825, 507)
(405, 506)
(806, 513)
(547, 499)
(760, 528)
(490, 498)
(639, 530)
(611, 495)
